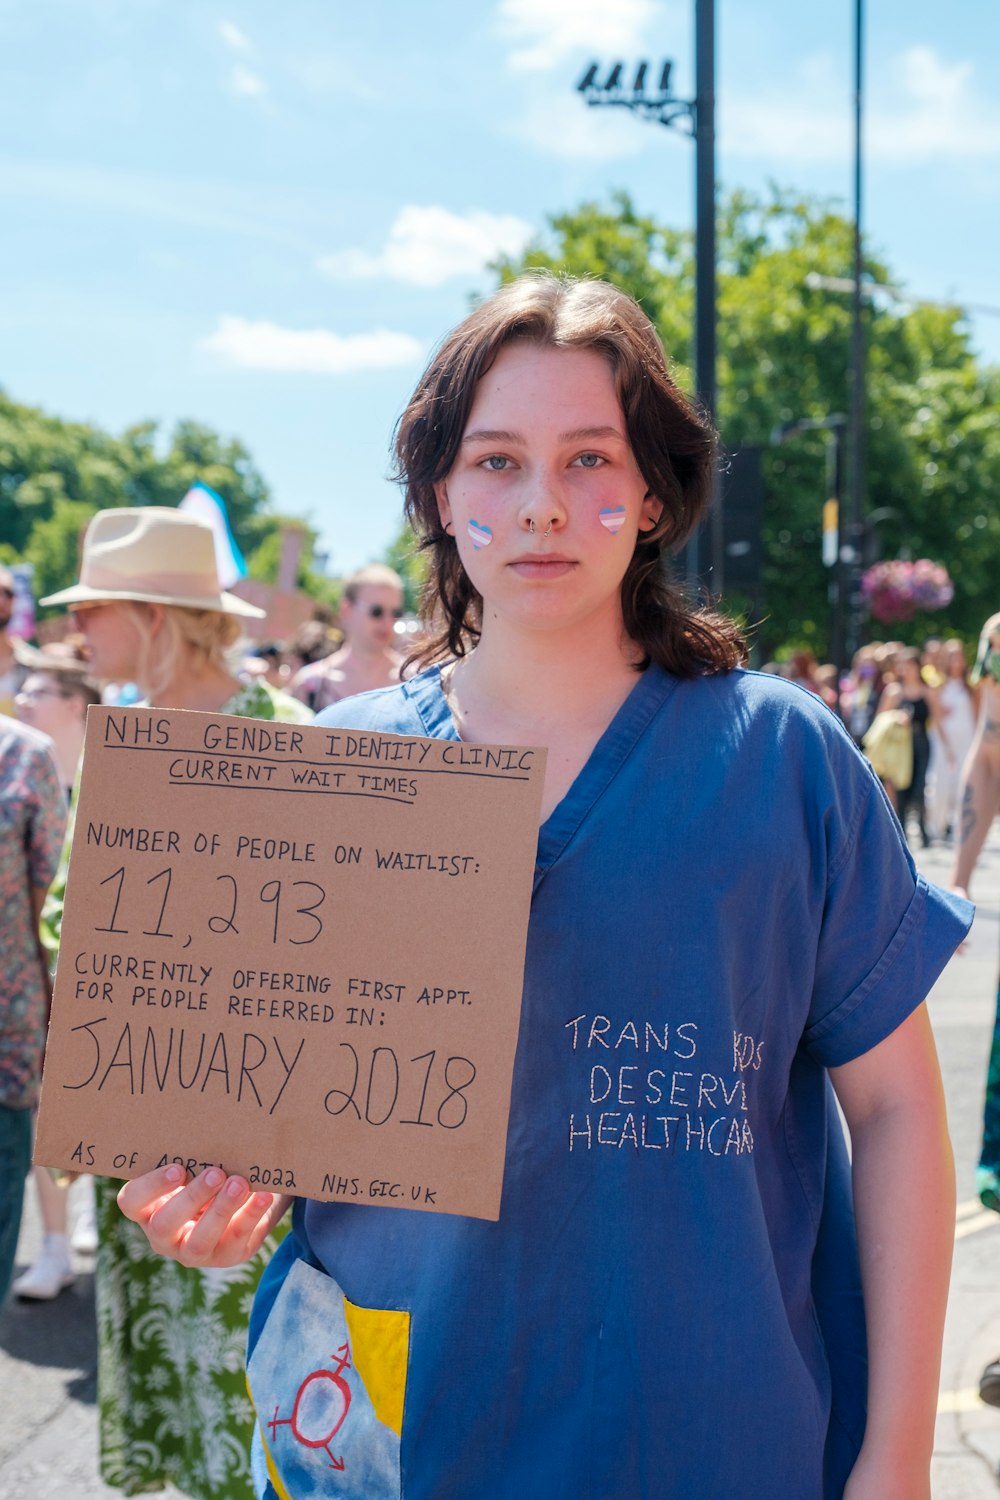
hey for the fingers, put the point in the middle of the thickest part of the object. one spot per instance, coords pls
(212, 1220)
(139, 1198)
(220, 1230)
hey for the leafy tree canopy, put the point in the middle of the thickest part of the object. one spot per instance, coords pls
(932, 459)
(54, 475)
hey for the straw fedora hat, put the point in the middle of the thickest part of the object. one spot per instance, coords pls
(154, 555)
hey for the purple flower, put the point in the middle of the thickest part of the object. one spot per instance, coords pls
(896, 590)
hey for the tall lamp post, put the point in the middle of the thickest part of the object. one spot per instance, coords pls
(852, 553)
(693, 117)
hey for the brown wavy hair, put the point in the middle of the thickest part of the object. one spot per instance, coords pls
(674, 448)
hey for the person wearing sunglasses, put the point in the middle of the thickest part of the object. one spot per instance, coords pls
(54, 699)
(371, 604)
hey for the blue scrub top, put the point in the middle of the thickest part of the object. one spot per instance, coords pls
(669, 1305)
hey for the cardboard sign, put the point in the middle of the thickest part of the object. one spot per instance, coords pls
(294, 952)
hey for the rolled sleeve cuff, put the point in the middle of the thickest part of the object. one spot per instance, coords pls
(933, 925)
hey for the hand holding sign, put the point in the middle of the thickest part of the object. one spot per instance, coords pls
(214, 1220)
(292, 953)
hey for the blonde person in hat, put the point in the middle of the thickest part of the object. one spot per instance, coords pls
(173, 1404)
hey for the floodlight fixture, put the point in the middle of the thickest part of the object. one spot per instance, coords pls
(659, 104)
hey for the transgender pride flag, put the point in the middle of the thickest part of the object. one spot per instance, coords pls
(205, 505)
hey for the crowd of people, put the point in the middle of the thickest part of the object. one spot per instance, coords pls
(550, 464)
(914, 714)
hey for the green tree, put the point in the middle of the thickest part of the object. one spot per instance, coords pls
(932, 434)
(265, 560)
(411, 565)
(55, 475)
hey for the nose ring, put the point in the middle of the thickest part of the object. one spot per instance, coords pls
(545, 533)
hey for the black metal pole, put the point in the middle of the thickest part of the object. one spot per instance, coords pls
(855, 531)
(704, 296)
(836, 490)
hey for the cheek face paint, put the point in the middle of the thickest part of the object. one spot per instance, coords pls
(612, 517)
(480, 535)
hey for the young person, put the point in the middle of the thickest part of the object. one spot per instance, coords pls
(725, 918)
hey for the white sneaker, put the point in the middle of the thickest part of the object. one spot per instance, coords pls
(50, 1274)
(84, 1236)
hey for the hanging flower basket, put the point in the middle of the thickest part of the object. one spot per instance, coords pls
(899, 590)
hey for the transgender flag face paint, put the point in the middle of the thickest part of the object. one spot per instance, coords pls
(613, 518)
(480, 535)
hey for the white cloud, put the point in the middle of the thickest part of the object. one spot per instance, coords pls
(234, 37)
(430, 245)
(922, 109)
(242, 81)
(545, 32)
(313, 351)
(938, 114)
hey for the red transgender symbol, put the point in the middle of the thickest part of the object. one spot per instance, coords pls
(321, 1404)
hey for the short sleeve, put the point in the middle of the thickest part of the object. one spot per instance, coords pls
(46, 822)
(886, 933)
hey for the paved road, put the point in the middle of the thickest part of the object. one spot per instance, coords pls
(47, 1357)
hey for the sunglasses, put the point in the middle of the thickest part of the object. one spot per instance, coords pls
(32, 695)
(376, 611)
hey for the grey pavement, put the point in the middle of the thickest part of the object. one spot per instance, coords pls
(48, 1419)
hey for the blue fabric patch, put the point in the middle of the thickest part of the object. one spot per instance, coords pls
(313, 1412)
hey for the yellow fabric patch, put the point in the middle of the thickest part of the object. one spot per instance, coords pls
(272, 1472)
(380, 1347)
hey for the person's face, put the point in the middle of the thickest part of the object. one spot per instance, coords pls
(114, 643)
(957, 664)
(6, 604)
(545, 498)
(42, 703)
(369, 621)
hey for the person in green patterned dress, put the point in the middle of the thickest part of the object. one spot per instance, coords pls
(172, 1397)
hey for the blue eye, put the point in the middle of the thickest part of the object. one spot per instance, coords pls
(496, 462)
(590, 460)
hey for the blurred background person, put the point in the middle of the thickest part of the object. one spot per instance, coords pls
(932, 662)
(372, 603)
(908, 695)
(54, 699)
(801, 668)
(313, 642)
(173, 1403)
(32, 823)
(269, 661)
(952, 732)
(864, 685)
(12, 672)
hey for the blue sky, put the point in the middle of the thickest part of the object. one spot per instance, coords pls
(263, 216)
